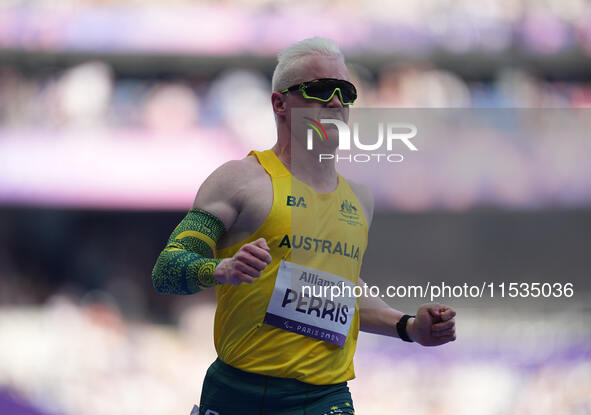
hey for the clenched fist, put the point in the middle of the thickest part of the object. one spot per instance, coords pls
(245, 265)
(434, 325)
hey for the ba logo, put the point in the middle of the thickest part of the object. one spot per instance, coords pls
(299, 202)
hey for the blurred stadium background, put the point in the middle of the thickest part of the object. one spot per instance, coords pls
(113, 112)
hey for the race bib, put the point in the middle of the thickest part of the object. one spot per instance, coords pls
(312, 303)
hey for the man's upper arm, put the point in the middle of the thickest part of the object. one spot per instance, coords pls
(220, 193)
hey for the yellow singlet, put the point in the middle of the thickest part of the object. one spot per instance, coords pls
(329, 233)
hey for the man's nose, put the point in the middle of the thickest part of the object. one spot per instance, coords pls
(335, 102)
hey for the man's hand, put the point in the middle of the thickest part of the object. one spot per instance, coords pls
(434, 325)
(245, 265)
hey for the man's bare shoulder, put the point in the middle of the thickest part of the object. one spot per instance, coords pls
(222, 193)
(235, 173)
(232, 176)
(365, 197)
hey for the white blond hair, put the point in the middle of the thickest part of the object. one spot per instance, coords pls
(286, 71)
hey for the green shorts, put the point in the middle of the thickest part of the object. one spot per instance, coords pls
(230, 391)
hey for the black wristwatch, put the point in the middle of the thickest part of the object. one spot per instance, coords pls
(401, 328)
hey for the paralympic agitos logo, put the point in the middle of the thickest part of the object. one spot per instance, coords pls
(387, 132)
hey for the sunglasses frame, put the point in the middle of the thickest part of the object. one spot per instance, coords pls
(303, 85)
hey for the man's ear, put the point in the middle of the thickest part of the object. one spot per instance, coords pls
(278, 103)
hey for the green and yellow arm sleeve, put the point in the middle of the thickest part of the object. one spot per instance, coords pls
(186, 264)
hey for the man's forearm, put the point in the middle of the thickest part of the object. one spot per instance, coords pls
(178, 271)
(433, 325)
(375, 316)
(185, 265)
(379, 320)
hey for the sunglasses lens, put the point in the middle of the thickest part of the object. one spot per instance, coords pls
(324, 89)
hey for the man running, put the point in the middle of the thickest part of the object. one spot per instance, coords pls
(278, 351)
